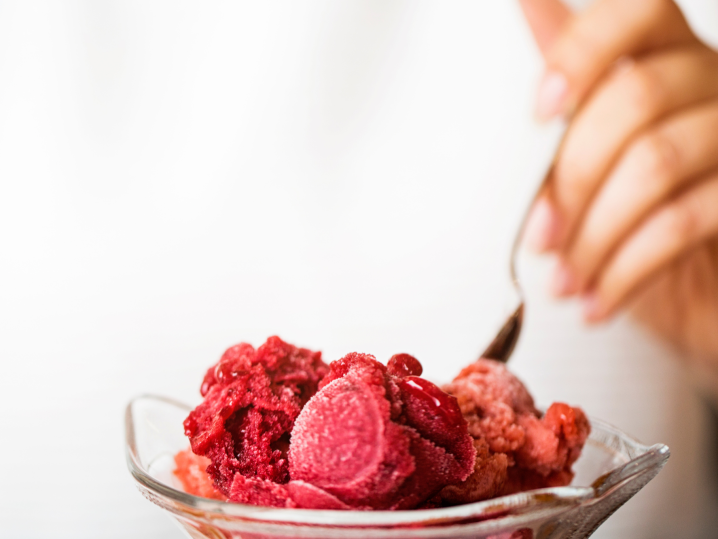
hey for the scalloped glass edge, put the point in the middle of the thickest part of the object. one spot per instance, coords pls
(506, 512)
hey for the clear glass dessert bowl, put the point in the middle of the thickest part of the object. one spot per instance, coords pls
(612, 468)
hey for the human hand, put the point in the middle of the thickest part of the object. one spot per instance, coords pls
(631, 206)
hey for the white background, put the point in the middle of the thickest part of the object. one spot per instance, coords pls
(179, 177)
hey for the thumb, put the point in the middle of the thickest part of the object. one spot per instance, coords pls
(546, 18)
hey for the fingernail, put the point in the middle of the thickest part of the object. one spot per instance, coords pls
(564, 281)
(541, 226)
(552, 93)
(593, 311)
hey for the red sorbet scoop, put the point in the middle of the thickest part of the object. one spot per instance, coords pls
(517, 449)
(191, 470)
(378, 437)
(251, 399)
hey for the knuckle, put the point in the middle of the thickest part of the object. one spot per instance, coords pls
(572, 49)
(663, 11)
(580, 42)
(657, 9)
(640, 86)
(682, 223)
(666, 15)
(658, 160)
(573, 174)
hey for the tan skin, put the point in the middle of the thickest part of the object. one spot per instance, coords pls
(631, 208)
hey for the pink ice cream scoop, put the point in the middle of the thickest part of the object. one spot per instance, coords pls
(377, 437)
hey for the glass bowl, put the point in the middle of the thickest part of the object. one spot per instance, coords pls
(612, 468)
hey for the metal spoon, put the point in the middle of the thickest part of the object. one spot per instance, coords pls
(504, 343)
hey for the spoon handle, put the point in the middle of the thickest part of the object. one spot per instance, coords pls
(539, 168)
(525, 195)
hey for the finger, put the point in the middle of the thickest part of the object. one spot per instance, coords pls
(689, 281)
(633, 98)
(671, 231)
(655, 167)
(593, 40)
(541, 223)
(546, 18)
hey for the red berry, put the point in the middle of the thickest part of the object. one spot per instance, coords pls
(404, 365)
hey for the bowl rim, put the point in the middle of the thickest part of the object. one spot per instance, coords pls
(547, 502)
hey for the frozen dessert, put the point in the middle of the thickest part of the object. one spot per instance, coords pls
(517, 448)
(367, 436)
(278, 427)
(251, 400)
(191, 470)
(379, 437)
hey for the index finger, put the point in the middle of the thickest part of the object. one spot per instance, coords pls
(592, 41)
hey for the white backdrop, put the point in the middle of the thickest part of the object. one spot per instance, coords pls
(178, 177)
